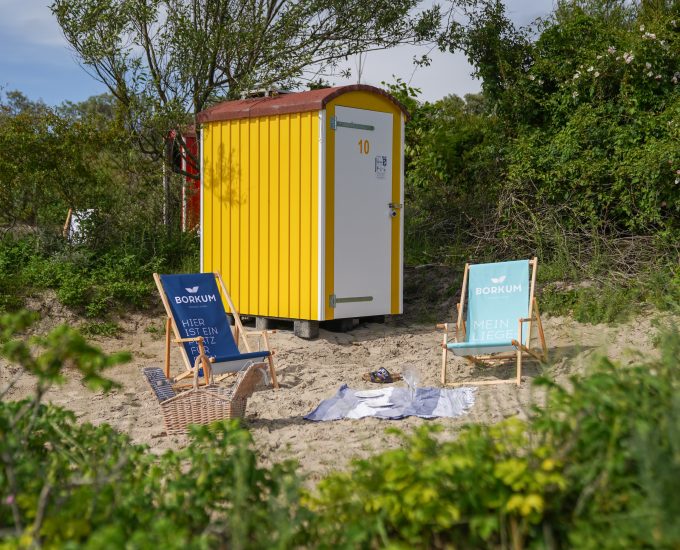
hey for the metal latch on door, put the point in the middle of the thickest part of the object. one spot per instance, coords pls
(333, 301)
(394, 206)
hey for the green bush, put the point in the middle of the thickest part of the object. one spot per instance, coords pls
(78, 156)
(91, 282)
(570, 153)
(596, 466)
(68, 484)
(613, 301)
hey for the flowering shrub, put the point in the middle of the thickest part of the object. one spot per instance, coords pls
(601, 130)
(575, 134)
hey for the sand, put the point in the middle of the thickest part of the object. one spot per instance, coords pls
(310, 371)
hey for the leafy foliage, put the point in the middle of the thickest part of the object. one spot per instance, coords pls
(50, 163)
(578, 474)
(77, 156)
(570, 153)
(167, 60)
(595, 467)
(67, 483)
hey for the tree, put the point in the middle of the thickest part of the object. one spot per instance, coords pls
(166, 60)
(48, 161)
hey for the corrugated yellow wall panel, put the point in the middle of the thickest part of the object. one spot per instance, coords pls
(274, 201)
(260, 204)
(243, 234)
(314, 260)
(208, 189)
(305, 221)
(263, 260)
(255, 220)
(222, 196)
(231, 239)
(295, 184)
(284, 215)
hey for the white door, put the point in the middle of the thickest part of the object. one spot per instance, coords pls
(363, 191)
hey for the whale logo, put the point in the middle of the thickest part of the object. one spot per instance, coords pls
(192, 290)
(495, 281)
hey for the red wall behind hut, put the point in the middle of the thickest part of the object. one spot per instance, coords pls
(191, 191)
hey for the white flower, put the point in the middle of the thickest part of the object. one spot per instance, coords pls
(649, 36)
(618, 58)
(658, 77)
(574, 94)
(597, 73)
(650, 74)
(648, 65)
(591, 69)
(628, 57)
(642, 28)
(576, 75)
(611, 49)
(677, 180)
(540, 82)
(599, 57)
(674, 80)
(532, 77)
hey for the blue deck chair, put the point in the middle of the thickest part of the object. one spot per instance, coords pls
(500, 301)
(199, 322)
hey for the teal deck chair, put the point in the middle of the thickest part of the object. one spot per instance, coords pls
(497, 301)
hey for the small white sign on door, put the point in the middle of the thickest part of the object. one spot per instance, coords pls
(380, 166)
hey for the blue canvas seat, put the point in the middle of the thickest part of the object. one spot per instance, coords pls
(497, 301)
(197, 317)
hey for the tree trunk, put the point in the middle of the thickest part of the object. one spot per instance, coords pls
(166, 184)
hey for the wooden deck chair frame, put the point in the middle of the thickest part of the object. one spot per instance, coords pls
(239, 333)
(533, 321)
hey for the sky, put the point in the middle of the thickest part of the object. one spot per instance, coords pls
(36, 59)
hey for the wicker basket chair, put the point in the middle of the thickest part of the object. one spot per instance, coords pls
(202, 404)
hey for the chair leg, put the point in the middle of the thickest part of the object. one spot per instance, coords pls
(272, 370)
(541, 335)
(519, 357)
(444, 357)
(168, 328)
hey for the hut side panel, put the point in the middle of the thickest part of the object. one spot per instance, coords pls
(260, 212)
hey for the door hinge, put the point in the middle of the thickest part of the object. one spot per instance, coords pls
(333, 300)
(335, 124)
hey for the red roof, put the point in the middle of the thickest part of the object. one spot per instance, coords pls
(300, 102)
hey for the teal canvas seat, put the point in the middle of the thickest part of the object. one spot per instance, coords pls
(497, 315)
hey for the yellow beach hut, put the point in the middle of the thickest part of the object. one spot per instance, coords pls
(302, 204)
